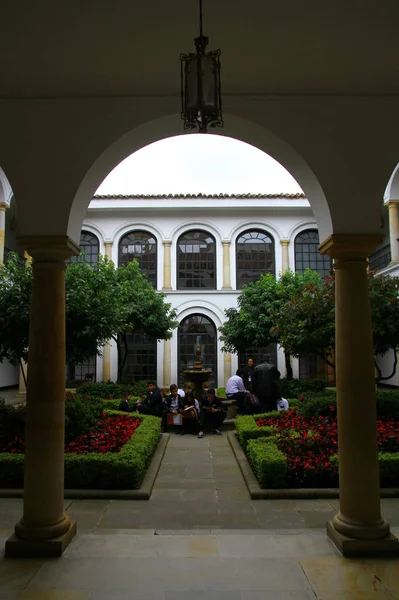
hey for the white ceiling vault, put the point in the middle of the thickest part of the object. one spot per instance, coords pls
(126, 48)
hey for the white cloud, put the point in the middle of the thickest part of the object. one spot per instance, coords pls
(199, 163)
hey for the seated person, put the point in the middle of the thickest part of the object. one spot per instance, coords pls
(235, 390)
(174, 404)
(212, 412)
(152, 403)
(124, 405)
(190, 414)
(282, 404)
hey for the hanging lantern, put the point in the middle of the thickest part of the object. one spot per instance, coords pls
(200, 86)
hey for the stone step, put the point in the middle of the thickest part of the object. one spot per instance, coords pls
(227, 424)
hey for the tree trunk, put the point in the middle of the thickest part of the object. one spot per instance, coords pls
(288, 367)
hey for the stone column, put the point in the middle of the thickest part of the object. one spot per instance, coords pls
(167, 371)
(108, 249)
(358, 528)
(44, 529)
(227, 366)
(167, 272)
(226, 265)
(285, 256)
(393, 208)
(3, 207)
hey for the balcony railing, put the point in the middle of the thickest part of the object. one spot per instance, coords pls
(380, 258)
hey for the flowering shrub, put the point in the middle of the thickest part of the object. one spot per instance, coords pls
(309, 443)
(110, 435)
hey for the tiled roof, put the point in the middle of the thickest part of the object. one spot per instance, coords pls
(298, 196)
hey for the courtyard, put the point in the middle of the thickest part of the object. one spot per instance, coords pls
(199, 536)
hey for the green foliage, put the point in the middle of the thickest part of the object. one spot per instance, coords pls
(306, 321)
(121, 470)
(82, 414)
(387, 403)
(314, 405)
(101, 302)
(15, 294)
(254, 323)
(247, 429)
(389, 468)
(12, 420)
(268, 463)
(104, 390)
(293, 388)
(221, 392)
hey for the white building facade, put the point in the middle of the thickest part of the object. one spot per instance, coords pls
(199, 250)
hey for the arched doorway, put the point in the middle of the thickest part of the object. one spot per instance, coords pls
(194, 330)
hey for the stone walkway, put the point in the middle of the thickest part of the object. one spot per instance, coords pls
(199, 537)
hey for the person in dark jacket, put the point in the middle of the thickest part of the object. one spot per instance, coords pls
(174, 406)
(125, 405)
(247, 374)
(152, 403)
(212, 412)
(264, 378)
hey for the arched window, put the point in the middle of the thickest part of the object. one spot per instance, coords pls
(196, 261)
(141, 245)
(90, 247)
(254, 256)
(141, 357)
(307, 255)
(197, 330)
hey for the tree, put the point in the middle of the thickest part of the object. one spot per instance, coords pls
(101, 302)
(253, 322)
(15, 293)
(306, 324)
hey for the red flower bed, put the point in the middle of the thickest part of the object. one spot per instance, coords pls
(308, 451)
(110, 435)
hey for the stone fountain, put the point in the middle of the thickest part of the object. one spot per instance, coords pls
(196, 377)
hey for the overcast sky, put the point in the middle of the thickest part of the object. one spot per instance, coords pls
(198, 163)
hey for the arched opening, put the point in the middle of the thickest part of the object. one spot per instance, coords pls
(197, 330)
(254, 256)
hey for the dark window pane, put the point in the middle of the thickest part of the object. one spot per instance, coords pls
(193, 327)
(254, 256)
(141, 361)
(142, 246)
(307, 255)
(196, 261)
(90, 247)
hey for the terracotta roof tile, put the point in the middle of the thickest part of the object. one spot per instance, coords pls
(297, 196)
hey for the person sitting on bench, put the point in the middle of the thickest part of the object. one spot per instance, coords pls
(213, 412)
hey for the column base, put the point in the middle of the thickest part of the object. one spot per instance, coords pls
(17, 548)
(351, 547)
(21, 396)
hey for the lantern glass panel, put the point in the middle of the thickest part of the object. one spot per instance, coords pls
(208, 82)
(191, 73)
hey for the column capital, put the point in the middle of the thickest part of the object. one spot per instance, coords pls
(3, 206)
(226, 242)
(348, 246)
(392, 202)
(167, 242)
(284, 242)
(108, 242)
(49, 248)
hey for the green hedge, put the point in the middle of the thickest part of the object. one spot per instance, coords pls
(247, 428)
(389, 468)
(112, 470)
(292, 388)
(113, 390)
(268, 462)
(111, 404)
(314, 405)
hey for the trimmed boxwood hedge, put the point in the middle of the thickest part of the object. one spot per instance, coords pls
(389, 468)
(112, 470)
(247, 428)
(268, 462)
